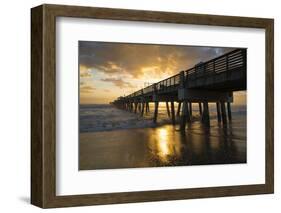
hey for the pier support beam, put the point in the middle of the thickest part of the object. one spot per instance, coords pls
(156, 103)
(183, 117)
(136, 107)
(139, 104)
(142, 108)
(179, 108)
(155, 111)
(229, 111)
(223, 113)
(190, 108)
(200, 108)
(206, 115)
(188, 117)
(173, 112)
(218, 111)
(168, 109)
(146, 107)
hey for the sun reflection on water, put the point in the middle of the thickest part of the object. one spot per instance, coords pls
(164, 146)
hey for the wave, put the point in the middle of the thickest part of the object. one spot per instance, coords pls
(104, 117)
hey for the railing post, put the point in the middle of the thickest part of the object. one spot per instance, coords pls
(244, 56)
(226, 63)
(170, 82)
(227, 73)
(182, 79)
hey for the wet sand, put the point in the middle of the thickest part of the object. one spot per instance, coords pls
(164, 146)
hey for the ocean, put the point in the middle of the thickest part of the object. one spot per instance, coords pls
(112, 138)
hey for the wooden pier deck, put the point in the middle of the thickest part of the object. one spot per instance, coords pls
(213, 81)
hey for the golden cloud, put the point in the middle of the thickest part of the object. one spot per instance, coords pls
(85, 72)
(87, 89)
(118, 82)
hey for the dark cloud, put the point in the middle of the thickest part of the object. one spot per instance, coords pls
(139, 59)
(118, 82)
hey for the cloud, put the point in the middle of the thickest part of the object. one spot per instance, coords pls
(85, 72)
(118, 82)
(138, 60)
(87, 89)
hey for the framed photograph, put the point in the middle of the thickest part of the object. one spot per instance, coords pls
(136, 106)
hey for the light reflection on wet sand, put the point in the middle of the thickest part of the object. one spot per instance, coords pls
(164, 146)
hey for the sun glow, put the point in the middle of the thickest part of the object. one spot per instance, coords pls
(163, 144)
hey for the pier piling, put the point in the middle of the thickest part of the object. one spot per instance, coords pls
(188, 117)
(206, 115)
(200, 108)
(190, 109)
(173, 112)
(136, 107)
(229, 111)
(168, 109)
(179, 108)
(142, 108)
(223, 113)
(218, 111)
(183, 117)
(156, 103)
(139, 109)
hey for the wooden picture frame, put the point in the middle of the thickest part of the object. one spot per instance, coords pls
(43, 105)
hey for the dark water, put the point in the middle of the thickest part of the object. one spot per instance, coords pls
(112, 138)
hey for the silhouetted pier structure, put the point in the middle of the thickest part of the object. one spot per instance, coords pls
(213, 81)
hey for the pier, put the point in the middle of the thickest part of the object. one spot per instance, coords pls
(213, 81)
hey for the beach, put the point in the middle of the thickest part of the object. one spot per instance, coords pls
(111, 138)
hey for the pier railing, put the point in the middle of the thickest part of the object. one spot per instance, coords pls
(227, 62)
(222, 64)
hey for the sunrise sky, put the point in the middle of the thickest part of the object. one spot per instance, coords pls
(109, 70)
